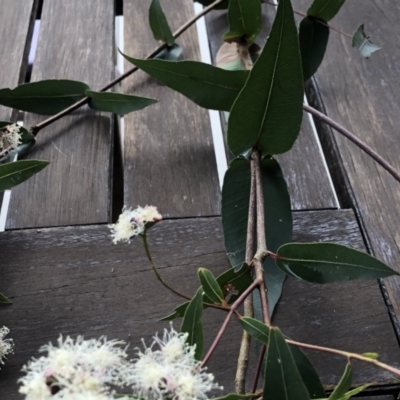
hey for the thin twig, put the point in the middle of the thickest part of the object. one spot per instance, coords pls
(319, 21)
(346, 354)
(363, 146)
(258, 368)
(221, 331)
(244, 352)
(255, 162)
(165, 284)
(36, 128)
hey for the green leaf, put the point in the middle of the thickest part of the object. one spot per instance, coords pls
(235, 208)
(206, 85)
(244, 17)
(170, 53)
(117, 103)
(179, 312)
(362, 43)
(44, 97)
(354, 392)
(313, 37)
(4, 299)
(235, 396)
(159, 24)
(239, 280)
(256, 328)
(329, 262)
(282, 380)
(344, 384)
(210, 286)
(12, 174)
(269, 109)
(372, 356)
(325, 9)
(192, 323)
(308, 373)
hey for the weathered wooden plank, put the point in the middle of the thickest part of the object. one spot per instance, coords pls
(73, 281)
(169, 156)
(362, 95)
(17, 19)
(75, 188)
(308, 189)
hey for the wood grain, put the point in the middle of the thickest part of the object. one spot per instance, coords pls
(363, 96)
(73, 280)
(76, 41)
(17, 19)
(169, 155)
(303, 166)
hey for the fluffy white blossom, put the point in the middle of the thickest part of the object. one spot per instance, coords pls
(6, 345)
(80, 369)
(133, 222)
(10, 137)
(170, 371)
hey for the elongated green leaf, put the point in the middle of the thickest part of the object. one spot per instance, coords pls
(325, 9)
(244, 17)
(117, 103)
(313, 37)
(282, 380)
(362, 43)
(159, 24)
(329, 262)
(234, 396)
(269, 109)
(278, 217)
(170, 53)
(256, 329)
(354, 392)
(208, 86)
(344, 384)
(4, 299)
(12, 174)
(210, 286)
(44, 97)
(308, 373)
(193, 324)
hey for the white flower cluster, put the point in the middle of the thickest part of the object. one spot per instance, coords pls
(6, 345)
(74, 370)
(133, 222)
(93, 369)
(171, 372)
(10, 137)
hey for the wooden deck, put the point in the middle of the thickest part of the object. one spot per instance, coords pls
(57, 262)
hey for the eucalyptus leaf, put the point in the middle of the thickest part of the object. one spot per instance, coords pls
(256, 329)
(179, 312)
(269, 109)
(353, 392)
(171, 53)
(235, 396)
(238, 281)
(117, 103)
(313, 37)
(244, 18)
(159, 24)
(4, 299)
(329, 262)
(44, 97)
(210, 286)
(282, 380)
(362, 43)
(206, 85)
(235, 208)
(12, 174)
(325, 9)
(344, 384)
(193, 323)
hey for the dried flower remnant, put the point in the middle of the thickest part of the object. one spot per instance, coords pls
(133, 223)
(10, 138)
(171, 371)
(6, 345)
(75, 369)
